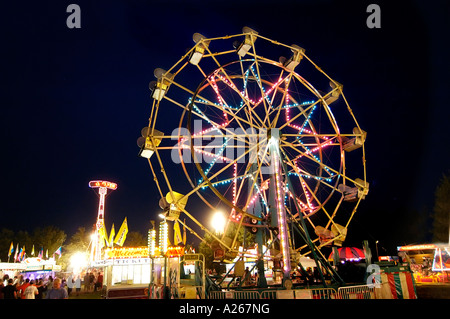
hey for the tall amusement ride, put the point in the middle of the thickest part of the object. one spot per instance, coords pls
(264, 135)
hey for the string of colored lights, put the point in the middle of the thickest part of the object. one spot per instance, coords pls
(215, 159)
(233, 213)
(281, 214)
(302, 129)
(287, 105)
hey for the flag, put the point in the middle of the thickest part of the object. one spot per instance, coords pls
(16, 255)
(11, 249)
(58, 252)
(176, 233)
(32, 251)
(122, 234)
(22, 253)
(111, 236)
(103, 235)
(46, 254)
(41, 253)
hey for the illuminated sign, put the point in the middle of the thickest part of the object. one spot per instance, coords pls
(175, 251)
(97, 184)
(126, 252)
(152, 242)
(163, 236)
(193, 257)
(441, 261)
(417, 247)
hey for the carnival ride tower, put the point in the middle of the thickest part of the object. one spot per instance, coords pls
(98, 236)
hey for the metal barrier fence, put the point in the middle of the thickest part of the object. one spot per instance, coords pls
(241, 294)
(351, 292)
(324, 293)
(317, 293)
(356, 292)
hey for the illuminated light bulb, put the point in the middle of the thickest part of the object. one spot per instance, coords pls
(218, 222)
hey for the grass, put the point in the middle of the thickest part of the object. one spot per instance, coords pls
(86, 295)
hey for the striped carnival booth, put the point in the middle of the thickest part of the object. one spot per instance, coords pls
(396, 283)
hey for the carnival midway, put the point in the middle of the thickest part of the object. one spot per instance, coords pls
(280, 165)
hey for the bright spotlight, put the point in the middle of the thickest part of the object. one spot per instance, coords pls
(78, 261)
(218, 222)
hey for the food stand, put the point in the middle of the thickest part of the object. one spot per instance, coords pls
(32, 268)
(430, 263)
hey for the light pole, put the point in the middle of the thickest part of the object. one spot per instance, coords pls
(163, 245)
(376, 247)
(151, 251)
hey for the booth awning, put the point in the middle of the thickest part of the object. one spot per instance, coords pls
(349, 253)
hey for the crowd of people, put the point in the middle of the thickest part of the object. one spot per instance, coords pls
(24, 288)
(20, 287)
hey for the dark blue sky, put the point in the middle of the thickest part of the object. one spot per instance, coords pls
(73, 101)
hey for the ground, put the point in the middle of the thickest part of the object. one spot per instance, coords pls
(433, 291)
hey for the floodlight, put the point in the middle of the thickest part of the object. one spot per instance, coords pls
(218, 222)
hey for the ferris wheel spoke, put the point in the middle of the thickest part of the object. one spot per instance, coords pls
(285, 92)
(288, 122)
(256, 173)
(228, 165)
(313, 159)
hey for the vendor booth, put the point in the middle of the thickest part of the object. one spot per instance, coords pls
(397, 282)
(430, 263)
(31, 268)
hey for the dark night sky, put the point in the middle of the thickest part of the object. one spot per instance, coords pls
(73, 101)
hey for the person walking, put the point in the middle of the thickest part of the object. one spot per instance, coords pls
(91, 282)
(57, 292)
(49, 282)
(41, 289)
(31, 291)
(99, 282)
(86, 282)
(2, 285)
(21, 288)
(9, 291)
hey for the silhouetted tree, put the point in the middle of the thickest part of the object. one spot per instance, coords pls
(441, 211)
(135, 239)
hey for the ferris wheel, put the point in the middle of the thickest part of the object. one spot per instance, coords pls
(268, 140)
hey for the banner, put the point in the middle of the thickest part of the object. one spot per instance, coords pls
(103, 236)
(16, 255)
(22, 253)
(58, 252)
(122, 234)
(11, 249)
(111, 236)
